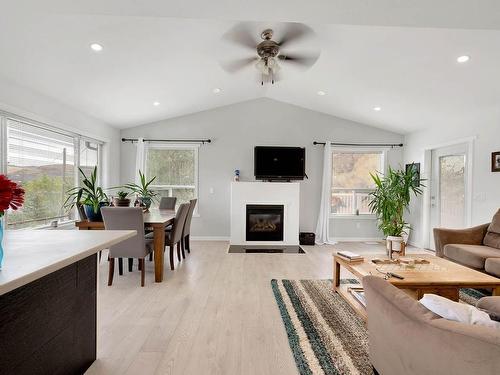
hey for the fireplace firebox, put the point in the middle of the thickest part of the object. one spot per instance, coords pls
(264, 222)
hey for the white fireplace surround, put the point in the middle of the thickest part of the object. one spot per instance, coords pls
(266, 193)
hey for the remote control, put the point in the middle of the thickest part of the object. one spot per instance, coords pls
(392, 274)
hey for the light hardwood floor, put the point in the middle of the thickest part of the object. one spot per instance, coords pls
(215, 314)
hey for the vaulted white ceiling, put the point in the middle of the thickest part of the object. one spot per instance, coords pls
(399, 55)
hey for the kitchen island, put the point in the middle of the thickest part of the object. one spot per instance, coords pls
(48, 299)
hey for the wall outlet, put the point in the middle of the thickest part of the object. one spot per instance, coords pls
(211, 190)
(358, 225)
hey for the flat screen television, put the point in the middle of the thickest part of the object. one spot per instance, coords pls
(279, 163)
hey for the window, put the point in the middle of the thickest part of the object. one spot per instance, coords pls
(90, 152)
(351, 180)
(176, 171)
(44, 161)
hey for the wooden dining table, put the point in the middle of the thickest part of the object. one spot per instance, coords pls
(154, 219)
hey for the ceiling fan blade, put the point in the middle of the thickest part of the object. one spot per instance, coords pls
(236, 65)
(294, 32)
(303, 60)
(240, 34)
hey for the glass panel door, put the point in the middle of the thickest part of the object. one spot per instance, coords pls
(452, 191)
(448, 188)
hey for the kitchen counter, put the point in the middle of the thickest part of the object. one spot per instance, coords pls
(48, 299)
(32, 254)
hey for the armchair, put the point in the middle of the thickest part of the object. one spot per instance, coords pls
(477, 247)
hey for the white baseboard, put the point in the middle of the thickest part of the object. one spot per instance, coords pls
(209, 238)
(355, 239)
(332, 240)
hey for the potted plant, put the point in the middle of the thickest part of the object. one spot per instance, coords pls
(90, 195)
(390, 201)
(144, 194)
(121, 199)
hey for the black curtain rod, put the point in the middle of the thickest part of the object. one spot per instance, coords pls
(361, 144)
(202, 141)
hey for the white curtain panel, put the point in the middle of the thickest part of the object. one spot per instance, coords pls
(323, 225)
(140, 159)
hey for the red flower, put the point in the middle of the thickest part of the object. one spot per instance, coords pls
(11, 195)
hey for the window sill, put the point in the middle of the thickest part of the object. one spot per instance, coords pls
(354, 217)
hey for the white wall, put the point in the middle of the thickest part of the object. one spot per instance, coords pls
(485, 186)
(27, 103)
(235, 130)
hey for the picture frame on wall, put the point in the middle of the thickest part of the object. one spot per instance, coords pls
(495, 161)
(415, 166)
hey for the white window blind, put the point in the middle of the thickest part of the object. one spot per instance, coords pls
(44, 161)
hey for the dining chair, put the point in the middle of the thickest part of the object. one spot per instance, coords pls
(167, 203)
(81, 212)
(127, 218)
(187, 227)
(174, 236)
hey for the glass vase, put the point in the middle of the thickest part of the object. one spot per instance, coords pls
(1, 242)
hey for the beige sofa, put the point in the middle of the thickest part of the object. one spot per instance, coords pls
(405, 338)
(477, 247)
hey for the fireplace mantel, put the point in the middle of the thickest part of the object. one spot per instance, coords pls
(265, 193)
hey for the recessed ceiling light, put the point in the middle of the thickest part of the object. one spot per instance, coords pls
(96, 47)
(321, 93)
(156, 104)
(463, 59)
(216, 90)
(377, 108)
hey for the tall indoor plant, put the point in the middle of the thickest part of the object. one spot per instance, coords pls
(90, 195)
(143, 190)
(391, 198)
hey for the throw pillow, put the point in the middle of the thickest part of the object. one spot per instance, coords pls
(459, 312)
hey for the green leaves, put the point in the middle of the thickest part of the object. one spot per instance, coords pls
(143, 189)
(391, 199)
(89, 194)
(122, 194)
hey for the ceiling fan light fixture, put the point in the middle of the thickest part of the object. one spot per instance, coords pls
(269, 52)
(261, 65)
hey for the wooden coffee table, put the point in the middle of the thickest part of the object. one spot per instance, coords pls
(440, 277)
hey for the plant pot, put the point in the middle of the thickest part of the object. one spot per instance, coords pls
(145, 202)
(406, 235)
(121, 202)
(94, 216)
(394, 243)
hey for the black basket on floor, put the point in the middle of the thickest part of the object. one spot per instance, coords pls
(306, 238)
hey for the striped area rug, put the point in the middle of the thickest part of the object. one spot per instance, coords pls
(325, 334)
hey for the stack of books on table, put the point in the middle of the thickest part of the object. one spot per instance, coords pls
(350, 256)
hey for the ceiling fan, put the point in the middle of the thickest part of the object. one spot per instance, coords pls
(270, 53)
